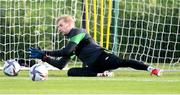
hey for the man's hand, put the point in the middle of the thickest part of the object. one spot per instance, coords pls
(36, 53)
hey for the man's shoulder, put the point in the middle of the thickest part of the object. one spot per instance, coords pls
(76, 31)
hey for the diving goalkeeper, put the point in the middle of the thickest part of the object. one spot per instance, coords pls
(97, 60)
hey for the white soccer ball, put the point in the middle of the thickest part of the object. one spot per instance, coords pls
(38, 72)
(11, 67)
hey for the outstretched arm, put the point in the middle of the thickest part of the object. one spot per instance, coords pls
(66, 51)
(38, 53)
(69, 48)
(58, 63)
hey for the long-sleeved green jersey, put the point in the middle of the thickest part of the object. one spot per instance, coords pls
(81, 44)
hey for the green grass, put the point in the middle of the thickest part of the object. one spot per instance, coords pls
(124, 82)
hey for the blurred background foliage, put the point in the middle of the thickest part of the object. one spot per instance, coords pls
(148, 30)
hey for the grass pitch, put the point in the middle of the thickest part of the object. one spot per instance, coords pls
(124, 82)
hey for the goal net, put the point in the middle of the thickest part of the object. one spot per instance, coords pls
(144, 30)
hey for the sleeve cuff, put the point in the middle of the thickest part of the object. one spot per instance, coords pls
(45, 58)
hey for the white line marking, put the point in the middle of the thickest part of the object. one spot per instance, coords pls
(98, 79)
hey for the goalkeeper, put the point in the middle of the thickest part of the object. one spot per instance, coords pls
(97, 60)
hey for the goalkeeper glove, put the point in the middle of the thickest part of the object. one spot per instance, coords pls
(36, 53)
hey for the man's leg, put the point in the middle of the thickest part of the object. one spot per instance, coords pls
(109, 61)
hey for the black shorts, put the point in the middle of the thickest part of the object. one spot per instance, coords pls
(106, 61)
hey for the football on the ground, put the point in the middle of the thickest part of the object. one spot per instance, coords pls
(11, 67)
(38, 72)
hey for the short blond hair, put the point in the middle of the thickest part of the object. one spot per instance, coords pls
(66, 18)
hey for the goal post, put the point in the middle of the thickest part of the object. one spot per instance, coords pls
(144, 30)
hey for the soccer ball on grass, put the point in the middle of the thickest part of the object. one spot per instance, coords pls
(38, 72)
(11, 67)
